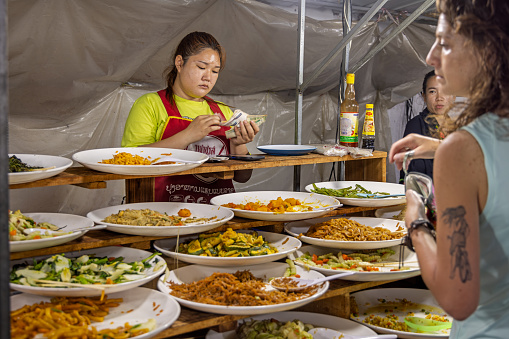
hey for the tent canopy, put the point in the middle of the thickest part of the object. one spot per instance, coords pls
(76, 67)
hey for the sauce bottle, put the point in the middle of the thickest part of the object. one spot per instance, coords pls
(368, 130)
(349, 117)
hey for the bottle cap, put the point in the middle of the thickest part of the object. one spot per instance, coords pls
(350, 78)
(368, 106)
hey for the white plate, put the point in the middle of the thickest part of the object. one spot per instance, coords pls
(389, 212)
(284, 244)
(60, 163)
(322, 203)
(137, 307)
(59, 219)
(369, 298)
(316, 319)
(385, 273)
(296, 228)
(91, 159)
(171, 208)
(129, 255)
(192, 273)
(373, 186)
(286, 149)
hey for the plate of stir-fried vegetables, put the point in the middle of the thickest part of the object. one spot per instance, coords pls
(31, 167)
(65, 225)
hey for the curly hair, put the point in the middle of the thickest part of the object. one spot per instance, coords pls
(192, 44)
(485, 25)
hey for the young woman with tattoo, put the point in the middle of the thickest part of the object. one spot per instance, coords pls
(467, 268)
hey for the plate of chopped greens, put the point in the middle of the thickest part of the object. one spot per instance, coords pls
(347, 192)
(368, 265)
(25, 168)
(230, 248)
(290, 321)
(86, 273)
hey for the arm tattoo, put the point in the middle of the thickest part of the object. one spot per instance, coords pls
(455, 218)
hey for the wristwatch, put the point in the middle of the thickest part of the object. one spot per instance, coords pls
(418, 223)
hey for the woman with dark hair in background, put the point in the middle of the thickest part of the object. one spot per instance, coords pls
(183, 117)
(467, 267)
(428, 121)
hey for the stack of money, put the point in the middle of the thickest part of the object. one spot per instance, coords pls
(239, 116)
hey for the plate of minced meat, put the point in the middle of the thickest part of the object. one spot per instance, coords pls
(161, 218)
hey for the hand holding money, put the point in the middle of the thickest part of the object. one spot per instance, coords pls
(239, 116)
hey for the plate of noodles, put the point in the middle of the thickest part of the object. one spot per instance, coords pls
(141, 311)
(352, 233)
(32, 167)
(276, 205)
(230, 248)
(216, 290)
(367, 265)
(310, 319)
(138, 160)
(86, 273)
(384, 310)
(161, 218)
(65, 223)
(346, 192)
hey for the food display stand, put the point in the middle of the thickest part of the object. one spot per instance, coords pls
(336, 301)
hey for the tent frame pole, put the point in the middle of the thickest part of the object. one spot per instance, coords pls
(5, 310)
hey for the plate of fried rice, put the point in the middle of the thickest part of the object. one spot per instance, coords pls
(138, 160)
(384, 311)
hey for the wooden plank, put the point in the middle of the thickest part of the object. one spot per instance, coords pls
(366, 170)
(79, 175)
(92, 185)
(139, 190)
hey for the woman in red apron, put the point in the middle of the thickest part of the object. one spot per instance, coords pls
(189, 120)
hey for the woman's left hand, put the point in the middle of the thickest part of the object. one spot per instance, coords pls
(245, 132)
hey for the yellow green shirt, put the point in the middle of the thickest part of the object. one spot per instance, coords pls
(148, 118)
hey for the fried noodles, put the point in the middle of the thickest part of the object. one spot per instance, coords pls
(239, 289)
(343, 229)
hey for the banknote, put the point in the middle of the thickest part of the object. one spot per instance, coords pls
(239, 116)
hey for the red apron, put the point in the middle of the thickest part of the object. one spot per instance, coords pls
(193, 188)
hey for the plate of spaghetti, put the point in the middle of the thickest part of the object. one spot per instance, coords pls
(367, 265)
(140, 313)
(354, 233)
(226, 290)
(276, 205)
(138, 160)
(161, 218)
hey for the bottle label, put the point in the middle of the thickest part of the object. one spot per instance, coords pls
(369, 124)
(348, 127)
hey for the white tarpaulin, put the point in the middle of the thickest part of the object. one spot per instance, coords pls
(76, 67)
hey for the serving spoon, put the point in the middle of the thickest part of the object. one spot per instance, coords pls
(28, 231)
(379, 196)
(293, 284)
(165, 159)
(427, 325)
(327, 333)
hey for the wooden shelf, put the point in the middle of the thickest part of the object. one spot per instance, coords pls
(369, 166)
